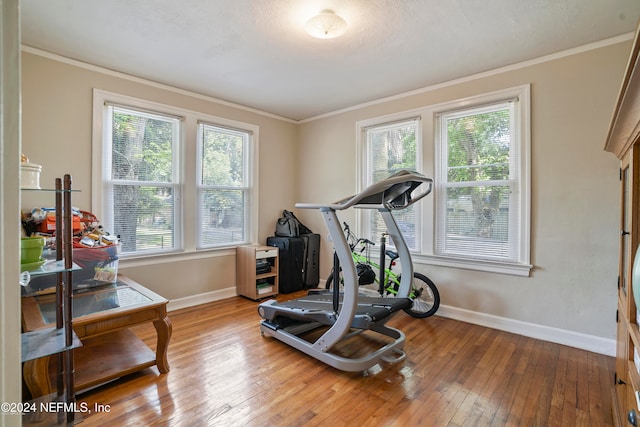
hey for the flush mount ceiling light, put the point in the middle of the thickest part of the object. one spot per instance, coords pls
(326, 25)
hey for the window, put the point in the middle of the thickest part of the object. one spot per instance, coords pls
(390, 148)
(477, 151)
(222, 185)
(141, 181)
(169, 180)
(478, 189)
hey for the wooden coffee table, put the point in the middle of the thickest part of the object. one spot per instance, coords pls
(101, 319)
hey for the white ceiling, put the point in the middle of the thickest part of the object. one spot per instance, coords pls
(257, 54)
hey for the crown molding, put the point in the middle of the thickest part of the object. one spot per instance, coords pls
(546, 58)
(125, 76)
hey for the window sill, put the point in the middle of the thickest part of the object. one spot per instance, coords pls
(513, 269)
(153, 259)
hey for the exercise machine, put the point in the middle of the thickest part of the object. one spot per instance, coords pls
(344, 314)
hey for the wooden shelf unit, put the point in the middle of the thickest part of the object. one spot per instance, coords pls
(248, 282)
(59, 339)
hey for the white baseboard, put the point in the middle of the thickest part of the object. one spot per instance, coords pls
(546, 333)
(193, 300)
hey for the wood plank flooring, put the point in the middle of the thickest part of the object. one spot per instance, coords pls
(224, 373)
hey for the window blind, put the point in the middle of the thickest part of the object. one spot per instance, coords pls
(140, 183)
(223, 185)
(392, 147)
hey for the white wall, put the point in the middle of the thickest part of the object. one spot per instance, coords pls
(575, 198)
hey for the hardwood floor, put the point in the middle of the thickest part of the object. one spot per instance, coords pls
(224, 373)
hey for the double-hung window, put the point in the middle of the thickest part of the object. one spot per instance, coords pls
(223, 185)
(478, 186)
(391, 147)
(477, 151)
(141, 179)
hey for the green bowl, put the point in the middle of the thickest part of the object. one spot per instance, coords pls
(31, 249)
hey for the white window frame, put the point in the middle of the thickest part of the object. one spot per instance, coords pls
(366, 179)
(246, 188)
(427, 165)
(187, 223)
(108, 183)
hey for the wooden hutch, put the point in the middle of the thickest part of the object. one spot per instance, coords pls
(623, 140)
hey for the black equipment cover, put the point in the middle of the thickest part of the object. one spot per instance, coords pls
(311, 267)
(290, 261)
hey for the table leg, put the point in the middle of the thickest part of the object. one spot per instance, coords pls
(163, 329)
(36, 377)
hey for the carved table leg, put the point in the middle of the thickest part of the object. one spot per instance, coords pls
(36, 377)
(163, 329)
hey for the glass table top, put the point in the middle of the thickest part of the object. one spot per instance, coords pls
(94, 300)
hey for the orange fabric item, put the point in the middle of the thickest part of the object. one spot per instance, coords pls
(49, 224)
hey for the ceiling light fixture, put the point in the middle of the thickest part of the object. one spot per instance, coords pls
(326, 25)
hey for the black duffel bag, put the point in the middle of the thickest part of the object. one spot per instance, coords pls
(290, 226)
